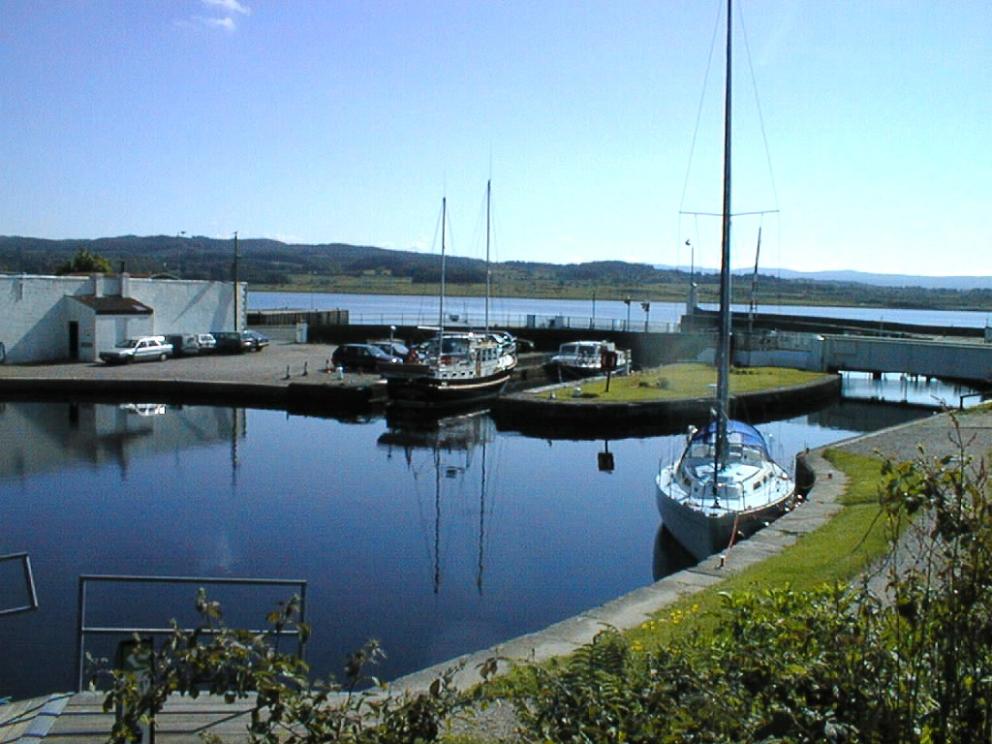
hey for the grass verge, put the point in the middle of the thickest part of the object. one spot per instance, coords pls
(676, 381)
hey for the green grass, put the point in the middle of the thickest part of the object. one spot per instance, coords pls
(676, 381)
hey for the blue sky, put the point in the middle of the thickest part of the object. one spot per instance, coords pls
(327, 121)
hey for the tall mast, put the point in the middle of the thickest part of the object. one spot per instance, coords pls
(753, 307)
(489, 185)
(440, 317)
(723, 350)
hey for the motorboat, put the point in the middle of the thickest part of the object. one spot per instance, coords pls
(578, 359)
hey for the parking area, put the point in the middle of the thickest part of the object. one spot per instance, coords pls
(281, 363)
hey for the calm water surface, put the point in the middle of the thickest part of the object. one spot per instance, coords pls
(435, 540)
(424, 309)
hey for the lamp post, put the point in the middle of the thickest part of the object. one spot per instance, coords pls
(179, 252)
(692, 278)
(237, 289)
(646, 307)
(627, 303)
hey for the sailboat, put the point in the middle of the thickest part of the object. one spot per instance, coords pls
(725, 483)
(455, 367)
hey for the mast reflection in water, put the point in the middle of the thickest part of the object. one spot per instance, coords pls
(436, 539)
(451, 443)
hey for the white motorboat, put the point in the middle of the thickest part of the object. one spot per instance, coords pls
(578, 359)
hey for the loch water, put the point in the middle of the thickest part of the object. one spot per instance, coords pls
(437, 539)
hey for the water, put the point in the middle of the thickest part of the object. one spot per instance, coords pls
(436, 541)
(413, 310)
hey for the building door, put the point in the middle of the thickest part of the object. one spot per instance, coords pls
(73, 339)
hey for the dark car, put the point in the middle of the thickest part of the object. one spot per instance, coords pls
(393, 348)
(186, 344)
(256, 339)
(237, 342)
(361, 357)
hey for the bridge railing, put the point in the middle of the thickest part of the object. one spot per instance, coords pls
(515, 321)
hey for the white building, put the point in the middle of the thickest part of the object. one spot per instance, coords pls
(51, 318)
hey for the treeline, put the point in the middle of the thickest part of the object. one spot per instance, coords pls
(343, 267)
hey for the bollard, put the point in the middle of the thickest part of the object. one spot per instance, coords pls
(287, 373)
(340, 373)
(327, 366)
(305, 372)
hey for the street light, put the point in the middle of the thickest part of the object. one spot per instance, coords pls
(646, 307)
(627, 303)
(237, 309)
(179, 252)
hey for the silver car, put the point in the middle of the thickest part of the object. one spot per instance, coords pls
(142, 348)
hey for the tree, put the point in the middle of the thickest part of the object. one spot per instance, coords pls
(84, 262)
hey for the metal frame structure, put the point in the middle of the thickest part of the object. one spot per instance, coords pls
(28, 583)
(82, 629)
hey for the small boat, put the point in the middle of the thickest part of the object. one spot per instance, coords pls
(726, 483)
(455, 367)
(577, 359)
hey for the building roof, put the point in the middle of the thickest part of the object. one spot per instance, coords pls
(114, 305)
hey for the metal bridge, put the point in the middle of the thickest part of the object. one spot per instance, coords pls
(946, 358)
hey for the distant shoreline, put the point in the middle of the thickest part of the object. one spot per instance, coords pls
(607, 294)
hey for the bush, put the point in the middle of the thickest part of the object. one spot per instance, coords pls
(288, 707)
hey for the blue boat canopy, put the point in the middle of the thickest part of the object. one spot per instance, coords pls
(747, 433)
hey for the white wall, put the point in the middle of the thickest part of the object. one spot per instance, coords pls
(33, 324)
(35, 312)
(186, 306)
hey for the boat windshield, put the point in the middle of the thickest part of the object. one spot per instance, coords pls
(738, 433)
(454, 346)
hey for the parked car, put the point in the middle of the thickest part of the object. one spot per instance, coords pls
(361, 357)
(258, 341)
(393, 348)
(207, 342)
(237, 342)
(185, 344)
(142, 348)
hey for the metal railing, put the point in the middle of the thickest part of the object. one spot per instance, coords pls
(32, 594)
(83, 630)
(476, 320)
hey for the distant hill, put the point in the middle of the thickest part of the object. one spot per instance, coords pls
(340, 267)
(865, 277)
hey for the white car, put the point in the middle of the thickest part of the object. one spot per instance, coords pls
(138, 349)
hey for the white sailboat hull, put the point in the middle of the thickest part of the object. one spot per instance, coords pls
(704, 528)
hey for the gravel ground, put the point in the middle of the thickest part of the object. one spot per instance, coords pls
(931, 439)
(934, 435)
(267, 366)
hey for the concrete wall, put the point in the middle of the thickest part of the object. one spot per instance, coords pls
(35, 312)
(185, 306)
(33, 319)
